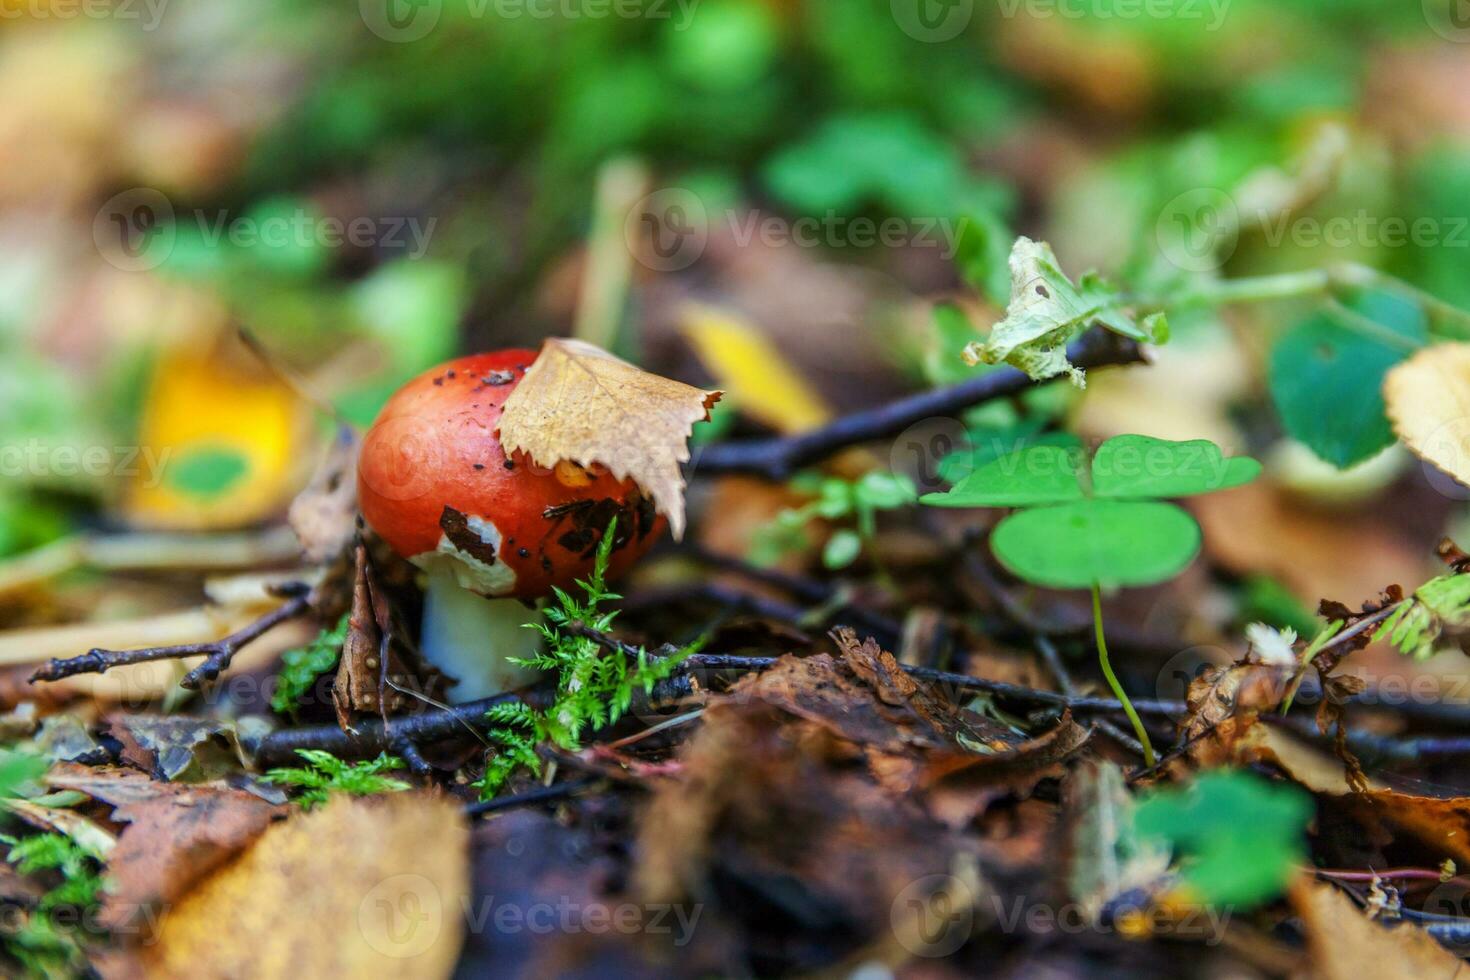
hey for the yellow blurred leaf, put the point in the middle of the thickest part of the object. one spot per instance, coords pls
(1428, 400)
(222, 445)
(359, 888)
(756, 376)
(578, 402)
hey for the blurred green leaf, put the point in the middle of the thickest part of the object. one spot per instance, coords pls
(1327, 375)
(1240, 838)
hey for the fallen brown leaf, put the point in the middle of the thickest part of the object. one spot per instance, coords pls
(360, 887)
(176, 835)
(1344, 942)
(580, 403)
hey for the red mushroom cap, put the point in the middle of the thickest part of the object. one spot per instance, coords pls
(434, 482)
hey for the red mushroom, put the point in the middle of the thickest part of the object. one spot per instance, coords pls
(493, 533)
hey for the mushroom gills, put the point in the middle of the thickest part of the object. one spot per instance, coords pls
(471, 637)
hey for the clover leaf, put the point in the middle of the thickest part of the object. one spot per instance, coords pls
(1046, 312)
(1098, 523)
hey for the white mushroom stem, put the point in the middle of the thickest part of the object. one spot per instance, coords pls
(472, 638)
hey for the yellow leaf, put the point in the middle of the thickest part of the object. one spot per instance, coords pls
(1428, 401)
(579, 403)
(359, 888)
(755, 375)
(221, 445)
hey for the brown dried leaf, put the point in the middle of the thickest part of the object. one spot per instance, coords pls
(759, 801)
(371, 664)
(360, 887)
(1236, 692)
(325, 513)
(1344, 941)
(580, 403)
(176, 835)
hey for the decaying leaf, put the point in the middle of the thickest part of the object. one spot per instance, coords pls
(1428, 401)
(325, 513)
(580, 403)
(1343, 940)
(360, 887)
(175, 835)
(762, 806)
(1047, 312)
(373, 669)
(183, 748)
(1239, 691)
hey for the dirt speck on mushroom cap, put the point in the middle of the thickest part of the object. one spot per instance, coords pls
(434, 446)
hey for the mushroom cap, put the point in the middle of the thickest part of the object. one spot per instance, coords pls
(434, 482)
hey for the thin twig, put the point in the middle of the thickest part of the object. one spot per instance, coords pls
(544, 794)
(777, 459)
(218, 653)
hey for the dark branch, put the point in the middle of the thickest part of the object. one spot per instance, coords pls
(219, 653)
(373, 736)
(778, 458)
(544, 794)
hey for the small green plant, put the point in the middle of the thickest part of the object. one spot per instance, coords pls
(835, 500)
(593, 687)
(1099, 524)
(1238, 836)
(39, 944)
(302, 666)
(326, 774)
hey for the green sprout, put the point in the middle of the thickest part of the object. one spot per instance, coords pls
(1100, 524)
(325, 774)
(836, 499)
(593, 688)
(301, 667)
